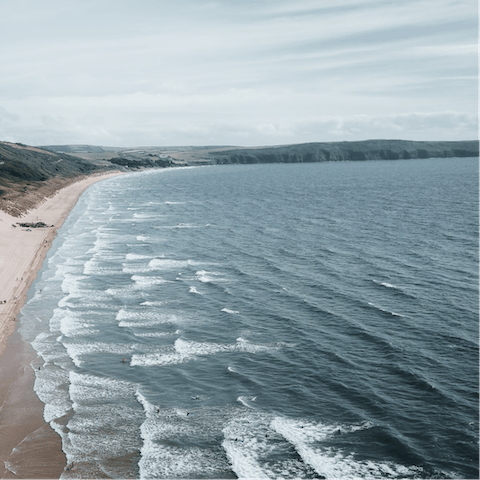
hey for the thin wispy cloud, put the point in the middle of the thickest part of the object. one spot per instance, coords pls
(252, 73)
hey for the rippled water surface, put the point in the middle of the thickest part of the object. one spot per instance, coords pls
(292, 321)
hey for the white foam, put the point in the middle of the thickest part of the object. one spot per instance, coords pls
(145, 216)
(207, 277)
(164, 458)
(168, 461)
(245, 401)
(194, 290)
(385, 310)
(71, 284)
(143, 238)
(152, 317)
(95, 266)
(106, 414)
(145, 282)
(77, 350)
(226, 310)
(121, 292)
(161, 319)
(154, 334)
(184, 351)
(246, 445)
(71, 323)
(92, 387)
(49, 385)
(136, 256)
(243, 463)
(167, 264)
(385, 284)
(307, 439)
(135, 268)
(158, 303)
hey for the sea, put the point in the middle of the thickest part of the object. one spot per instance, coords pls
(314, 320)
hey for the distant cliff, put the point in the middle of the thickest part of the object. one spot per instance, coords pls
(30, 174)
(343, 151)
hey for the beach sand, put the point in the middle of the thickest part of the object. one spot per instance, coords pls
(29, 448)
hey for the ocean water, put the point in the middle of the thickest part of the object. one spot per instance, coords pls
(265, 321)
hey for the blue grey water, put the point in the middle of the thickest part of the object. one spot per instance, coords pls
(265, 321)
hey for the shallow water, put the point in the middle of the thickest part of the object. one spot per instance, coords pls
(294, 321)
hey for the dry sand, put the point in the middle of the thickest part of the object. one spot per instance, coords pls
(29, 448)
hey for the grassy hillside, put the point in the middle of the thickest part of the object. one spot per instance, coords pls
(29, 174)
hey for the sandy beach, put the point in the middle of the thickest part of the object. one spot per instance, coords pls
(29, 448)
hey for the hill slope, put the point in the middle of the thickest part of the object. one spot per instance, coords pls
(29, 174)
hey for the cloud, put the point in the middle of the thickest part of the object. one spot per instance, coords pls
(140, 129)
(178, 66)
(7, 117)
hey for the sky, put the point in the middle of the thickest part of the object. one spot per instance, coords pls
(237, 72)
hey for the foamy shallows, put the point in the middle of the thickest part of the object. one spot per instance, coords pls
(136, 256)
(323, 327)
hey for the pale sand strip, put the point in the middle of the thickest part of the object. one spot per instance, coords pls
(28, 446)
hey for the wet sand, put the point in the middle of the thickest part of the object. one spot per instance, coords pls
(29, 448)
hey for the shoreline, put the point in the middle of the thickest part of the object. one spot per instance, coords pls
(29, 447)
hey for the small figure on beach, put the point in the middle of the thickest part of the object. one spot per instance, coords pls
(124, 360)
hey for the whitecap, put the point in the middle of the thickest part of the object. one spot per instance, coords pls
(144, 282)
(226, 310)
(207, 277)
(385, 310)
(184, 351)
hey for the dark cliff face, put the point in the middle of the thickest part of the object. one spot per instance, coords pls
(29, 174)
(19, 163)
(141, 163)
(345, 151)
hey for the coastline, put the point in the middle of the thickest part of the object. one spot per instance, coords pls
(29, 448)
